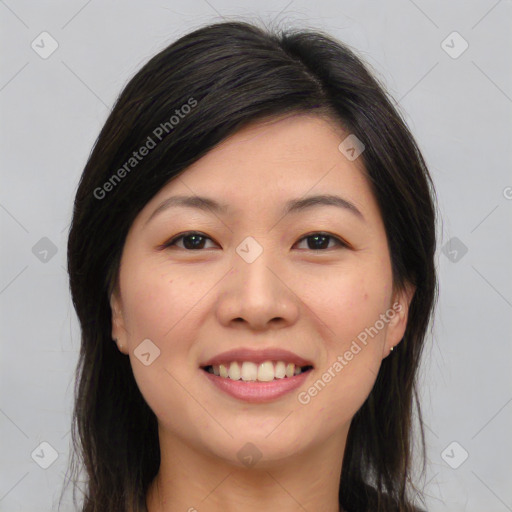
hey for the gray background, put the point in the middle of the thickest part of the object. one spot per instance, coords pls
(459, 110)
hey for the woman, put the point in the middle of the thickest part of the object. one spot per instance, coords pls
(255, 230)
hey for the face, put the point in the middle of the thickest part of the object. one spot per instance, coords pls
(315, 281)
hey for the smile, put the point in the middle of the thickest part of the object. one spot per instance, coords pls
(252, 389)
(248, 371)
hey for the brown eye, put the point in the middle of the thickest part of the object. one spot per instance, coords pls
(192, 241)
(319, 241)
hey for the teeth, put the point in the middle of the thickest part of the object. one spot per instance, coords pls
(248, 371)
(280, 370)
(223, 371)
(234, 371)
(266, 371)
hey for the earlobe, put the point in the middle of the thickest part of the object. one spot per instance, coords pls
(398, 322)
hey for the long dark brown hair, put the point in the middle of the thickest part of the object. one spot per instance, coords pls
(231, 74)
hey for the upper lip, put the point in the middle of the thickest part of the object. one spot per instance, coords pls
(257, 356)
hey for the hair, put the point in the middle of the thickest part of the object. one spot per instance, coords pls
(231, 74)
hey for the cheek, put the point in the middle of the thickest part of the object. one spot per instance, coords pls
(349, 307)
(350, 301)
(162, 307)
(352, 364)
(157, 301)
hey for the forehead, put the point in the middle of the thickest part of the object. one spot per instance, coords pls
(267, 163)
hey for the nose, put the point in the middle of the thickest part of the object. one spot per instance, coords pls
(258, 295)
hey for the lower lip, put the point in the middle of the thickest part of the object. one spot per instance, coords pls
(257, 392)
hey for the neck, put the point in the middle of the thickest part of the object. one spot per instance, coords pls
(191, 480)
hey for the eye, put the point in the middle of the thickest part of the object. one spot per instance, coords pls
(318, 241)
(195, 240)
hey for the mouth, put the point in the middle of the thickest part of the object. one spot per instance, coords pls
(257, 376)
(248, 371)
(248, 382)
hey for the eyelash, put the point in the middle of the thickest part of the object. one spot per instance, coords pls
(173, 240)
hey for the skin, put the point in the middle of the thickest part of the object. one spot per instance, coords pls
(196, 303)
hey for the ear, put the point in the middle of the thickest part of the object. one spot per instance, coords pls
(118, 326)
(397, 324)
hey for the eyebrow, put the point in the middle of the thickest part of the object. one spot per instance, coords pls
(292, 206)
